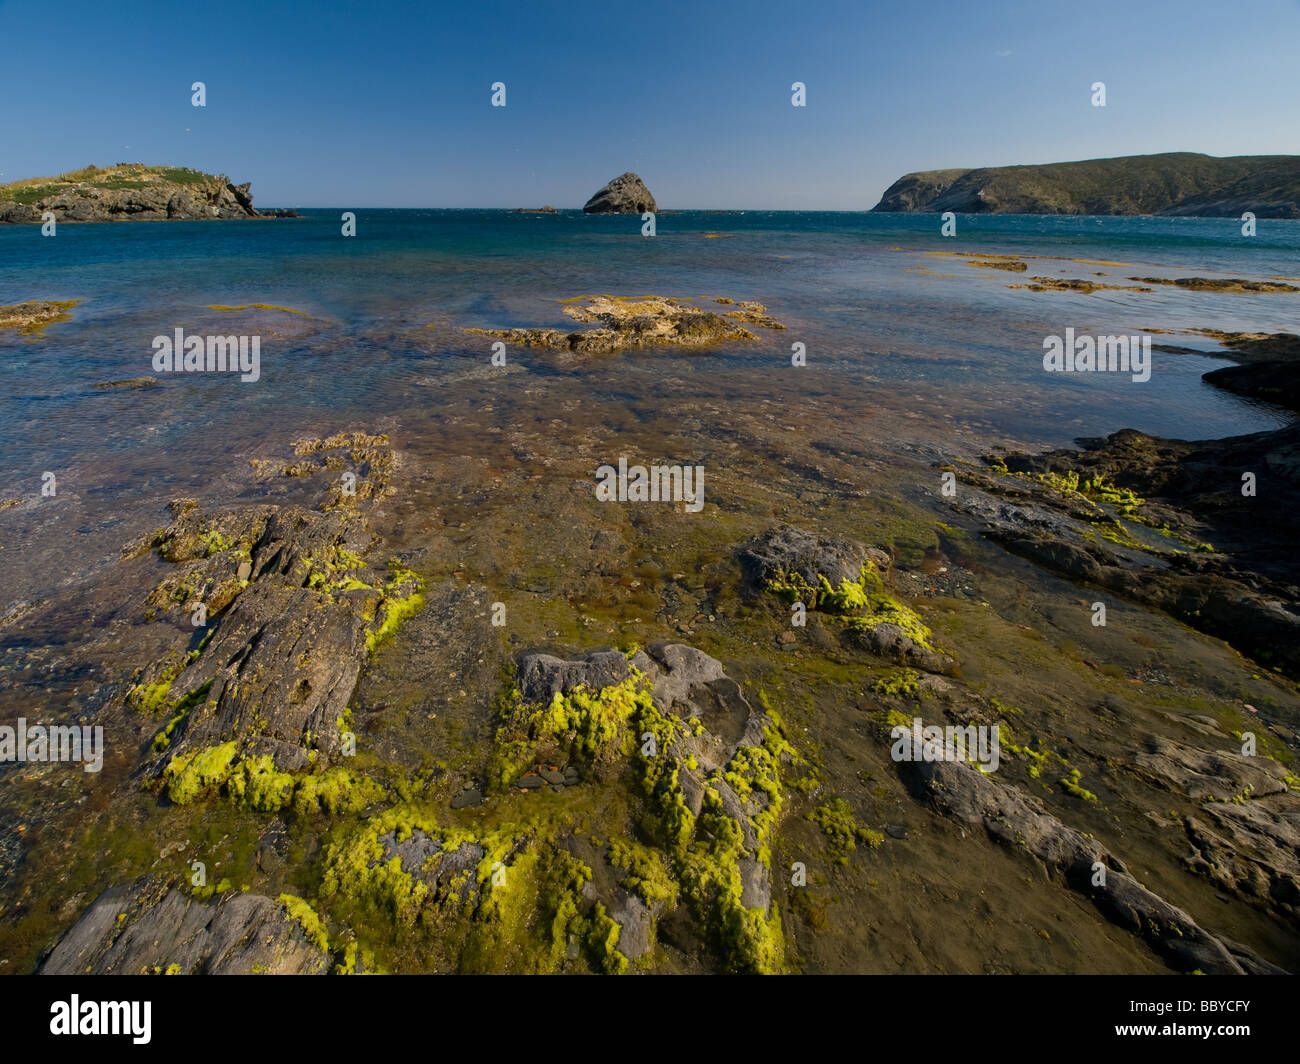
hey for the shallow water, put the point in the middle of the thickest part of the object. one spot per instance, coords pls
(904, 337)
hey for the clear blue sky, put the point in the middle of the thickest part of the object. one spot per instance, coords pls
(371, 104)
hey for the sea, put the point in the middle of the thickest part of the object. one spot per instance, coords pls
(900, 325)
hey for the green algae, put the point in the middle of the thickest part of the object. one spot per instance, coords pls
(336, 791)
(748, 940)
(849, 597)
(593, 720)
(356, 870)
(835, 818)
(188, 776)
(862, 604)
(697, 858)
(335, 573)
(602, 941)
(647, 875)
(583, 725)
(517, 910)
(897, 683)
(882, 609)
(153, 697)
(183, 708)
(1163, 529)
(305, 917)
(402, 598)
(259, 306)
(357, 960)
(1070, 784)
(255, 783)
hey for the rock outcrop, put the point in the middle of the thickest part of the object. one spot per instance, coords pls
(131, 193)
(845, 582)
(650, 322)
(32, 317)
(626, 194)
(662, 737)
(1175, 183)
(1266, 367)
(290, 614)
(148, 927)
(1163, 522)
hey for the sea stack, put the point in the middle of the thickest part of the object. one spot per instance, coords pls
(626, 194)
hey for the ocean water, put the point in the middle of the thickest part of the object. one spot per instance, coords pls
(894, 319)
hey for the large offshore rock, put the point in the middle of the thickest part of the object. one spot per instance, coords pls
(626, 194)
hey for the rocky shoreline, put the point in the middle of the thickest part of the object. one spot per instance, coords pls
(1174, 184)
(680, 753)
(1202, 529)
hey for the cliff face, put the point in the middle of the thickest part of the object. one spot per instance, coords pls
(1178, 183)
(130, 192)
(626, 194)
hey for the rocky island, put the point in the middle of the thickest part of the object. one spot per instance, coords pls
(130, 192)
(1184, 184)
(626, 194)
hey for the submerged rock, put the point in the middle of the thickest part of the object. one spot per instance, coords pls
(626, 194)
(1018, 821)
(624, 323)
(32, 317)
(1219, 284)
(128, 384)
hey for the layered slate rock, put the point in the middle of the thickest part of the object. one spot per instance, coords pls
(290, 613)
(626, 194)
(148, 927)
(1247, 835)
(286, 652)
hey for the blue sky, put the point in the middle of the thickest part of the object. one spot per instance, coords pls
(368, 104)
